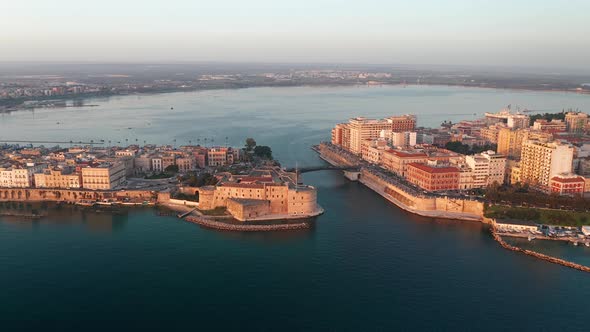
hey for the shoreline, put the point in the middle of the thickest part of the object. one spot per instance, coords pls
(481, 218)
(431, 207)
(196, 217)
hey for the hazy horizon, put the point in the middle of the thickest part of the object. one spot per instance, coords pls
(527, 34)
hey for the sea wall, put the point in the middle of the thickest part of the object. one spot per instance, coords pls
(209, 223)
(434, 207)
(183, 202)
(337, 157)
(69, 195)
(424, 205)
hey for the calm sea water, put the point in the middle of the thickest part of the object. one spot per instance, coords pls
(366, 265)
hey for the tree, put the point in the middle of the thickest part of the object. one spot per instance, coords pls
(250, 144)
(205, 179)
(171, 169)
(263, 151)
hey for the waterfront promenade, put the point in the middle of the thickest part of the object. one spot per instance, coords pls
(401, 193)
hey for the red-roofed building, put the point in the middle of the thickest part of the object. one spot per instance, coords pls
(433, 178)
(568, 185)
(396, 161)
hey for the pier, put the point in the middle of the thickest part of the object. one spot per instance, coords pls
(538, 255)
(184, 214)
(209, 223)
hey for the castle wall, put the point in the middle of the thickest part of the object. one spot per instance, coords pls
(251, 210)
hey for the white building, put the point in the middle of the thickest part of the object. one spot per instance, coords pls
(18, 177)
(541, 161)
(157, 164)
(487, 167)
(403, 139)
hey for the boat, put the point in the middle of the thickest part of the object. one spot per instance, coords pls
(575, 243)
(85, 203)
(587, 244)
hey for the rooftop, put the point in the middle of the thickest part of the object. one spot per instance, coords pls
(431, 169)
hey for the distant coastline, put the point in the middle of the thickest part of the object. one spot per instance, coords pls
(6, 107)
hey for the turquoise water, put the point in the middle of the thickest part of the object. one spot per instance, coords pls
(365, 265)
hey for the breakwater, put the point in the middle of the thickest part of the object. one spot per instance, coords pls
(23, 215)
(538, 255)
(209, 223)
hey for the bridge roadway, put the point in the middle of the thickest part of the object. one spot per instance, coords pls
(322, 168)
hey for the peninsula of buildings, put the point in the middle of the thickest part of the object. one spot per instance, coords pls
(528, 173)
(243, 185)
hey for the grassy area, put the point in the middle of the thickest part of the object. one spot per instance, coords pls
(541, 216)
(218, 211)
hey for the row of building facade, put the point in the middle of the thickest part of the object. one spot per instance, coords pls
(524, 154)
(102, 168)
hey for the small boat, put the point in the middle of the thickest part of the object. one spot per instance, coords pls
(575, 243)
(587, 244)
(86, 203)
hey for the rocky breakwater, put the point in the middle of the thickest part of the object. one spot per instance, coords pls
(538, 255)
(225, 226)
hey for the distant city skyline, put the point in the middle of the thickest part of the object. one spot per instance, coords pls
(459, 32)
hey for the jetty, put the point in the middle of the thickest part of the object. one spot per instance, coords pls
(210, 223)
(184, 214)
(538, 255)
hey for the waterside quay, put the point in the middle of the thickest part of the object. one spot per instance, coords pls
(397, 191)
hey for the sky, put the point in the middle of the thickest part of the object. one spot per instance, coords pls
(543, 33)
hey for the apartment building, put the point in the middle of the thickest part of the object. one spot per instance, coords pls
(487, 167)
(104, 176)
(58, 178)
(541, 161)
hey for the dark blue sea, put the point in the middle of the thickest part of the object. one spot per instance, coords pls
(365, 265)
